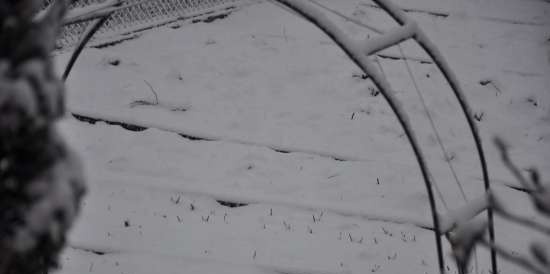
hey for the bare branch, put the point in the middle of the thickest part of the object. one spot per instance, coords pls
(153, 91)
(499, 209)
(516, 259)
(503, 149)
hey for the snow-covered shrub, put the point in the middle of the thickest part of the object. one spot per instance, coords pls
(41, 180)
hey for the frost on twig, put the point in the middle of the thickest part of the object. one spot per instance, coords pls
(41, 180)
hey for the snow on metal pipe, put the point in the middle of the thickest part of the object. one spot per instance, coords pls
(390, 38)
(463, 214)
(398, 15)
(91, 12)
(396, 12)
(353, 50)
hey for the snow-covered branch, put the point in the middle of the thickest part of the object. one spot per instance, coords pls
(465, 233)
(464, 214)
(522, 261)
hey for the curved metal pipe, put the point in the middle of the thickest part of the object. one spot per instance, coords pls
(361, 60)
(385, 89)
(477, 140)
(441, 63)
(90, 31)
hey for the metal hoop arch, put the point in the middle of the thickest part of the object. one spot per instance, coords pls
(420, 37)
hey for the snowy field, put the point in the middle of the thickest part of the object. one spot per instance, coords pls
(263, 150)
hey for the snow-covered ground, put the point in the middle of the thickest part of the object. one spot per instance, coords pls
(262, 110)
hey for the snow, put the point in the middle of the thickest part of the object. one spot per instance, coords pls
(92, 11)
(390, 38)
(262, 82)
(464, 214)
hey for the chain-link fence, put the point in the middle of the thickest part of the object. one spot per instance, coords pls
(140, 16)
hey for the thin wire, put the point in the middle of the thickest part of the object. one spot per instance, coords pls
(437, 189)
(434, 127)
(374, 29)
(362, 61)
(432, 123)
(440, 142)
(438, 136)
(347, 18)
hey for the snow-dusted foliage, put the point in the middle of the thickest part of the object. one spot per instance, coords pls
(41, 180)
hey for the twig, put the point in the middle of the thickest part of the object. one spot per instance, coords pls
(154, 92)
(521, 220)
(503, 149)
(518, 260)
